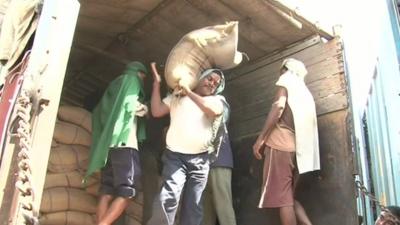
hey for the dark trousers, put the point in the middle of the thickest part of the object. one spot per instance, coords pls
(185, 173)
(150, 160)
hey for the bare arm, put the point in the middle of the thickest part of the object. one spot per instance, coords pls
(211, 109)
(272, 119)
(158, 108)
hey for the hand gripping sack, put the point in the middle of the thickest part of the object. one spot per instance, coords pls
(213, 46)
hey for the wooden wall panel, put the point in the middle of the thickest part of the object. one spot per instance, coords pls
(250, 89)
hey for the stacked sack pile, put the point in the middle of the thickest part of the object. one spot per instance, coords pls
(134, 211)
(65, 200)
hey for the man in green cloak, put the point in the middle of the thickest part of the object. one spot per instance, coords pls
(117, 129)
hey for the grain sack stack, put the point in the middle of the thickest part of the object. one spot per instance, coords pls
(65, 200)
(134, 211)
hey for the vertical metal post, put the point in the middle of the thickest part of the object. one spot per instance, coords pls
(43, 82)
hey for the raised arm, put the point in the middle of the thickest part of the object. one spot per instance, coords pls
(158, 108)
(273, 117)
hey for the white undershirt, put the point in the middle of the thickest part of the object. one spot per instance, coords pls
(190, 129)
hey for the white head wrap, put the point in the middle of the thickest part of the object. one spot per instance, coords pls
(295, 66)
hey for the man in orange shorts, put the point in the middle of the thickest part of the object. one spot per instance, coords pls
(288, 151)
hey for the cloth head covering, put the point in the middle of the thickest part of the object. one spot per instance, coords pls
(134, 67)
(221, 85)
(114, 116)
(218, 125)
(295, 66)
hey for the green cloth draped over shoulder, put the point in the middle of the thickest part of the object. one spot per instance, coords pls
(113, 117)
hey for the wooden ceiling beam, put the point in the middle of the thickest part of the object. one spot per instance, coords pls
(101, 52)
(297, 16)
(116, 39)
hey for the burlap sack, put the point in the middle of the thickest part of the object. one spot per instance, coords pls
(131, 220)
(93, 189)
(68, 179)
(76, 115)
(139, 198)
(68, 133)
(96, 175)
(135, 210)
(67, 158)
(214, 46)
(67, 218)
(54, 143)
(67, 199)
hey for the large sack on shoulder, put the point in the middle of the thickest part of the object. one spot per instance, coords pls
(76, 115)
(67, 158)
(67, 218)
(214, 46)
(68, 179)
(64, 199)
(68, 133)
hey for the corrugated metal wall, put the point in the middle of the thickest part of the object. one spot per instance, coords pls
(379, 152)
(382, 153)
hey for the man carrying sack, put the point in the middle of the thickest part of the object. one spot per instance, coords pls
(189, 140)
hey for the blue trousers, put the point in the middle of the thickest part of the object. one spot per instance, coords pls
(182, 173)
(121, 175)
